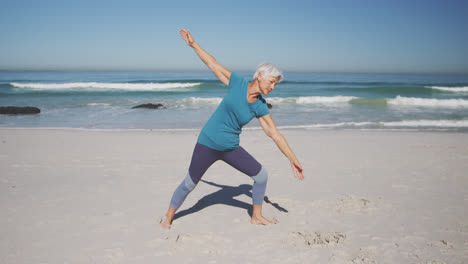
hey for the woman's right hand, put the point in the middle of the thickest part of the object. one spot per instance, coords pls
(185, 34)
(297, 170)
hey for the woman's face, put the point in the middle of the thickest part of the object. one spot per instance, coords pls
(266, 84)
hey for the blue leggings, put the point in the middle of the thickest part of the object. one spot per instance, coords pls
(203, 157)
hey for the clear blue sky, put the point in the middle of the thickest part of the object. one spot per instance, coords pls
(348, 35)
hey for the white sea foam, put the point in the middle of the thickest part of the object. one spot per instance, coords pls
(427, 123)
(201, 100)
(398, 125)
(104, 86)
(96, 104)
(450, 89)
(403, 123)
(311, 99)
(427, 102)
(272, 100)
(332, 125)
(192, 102)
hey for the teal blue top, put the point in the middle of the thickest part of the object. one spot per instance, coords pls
(222, 130)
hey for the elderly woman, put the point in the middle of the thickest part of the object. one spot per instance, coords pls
(219, 138)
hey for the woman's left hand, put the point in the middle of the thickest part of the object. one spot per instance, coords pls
(297, 169)
(185, 34)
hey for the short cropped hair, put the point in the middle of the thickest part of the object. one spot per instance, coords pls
(267, 69)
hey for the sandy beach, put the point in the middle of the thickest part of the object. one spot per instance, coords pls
(89, 196)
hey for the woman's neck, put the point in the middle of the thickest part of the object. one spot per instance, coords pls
(253, 90)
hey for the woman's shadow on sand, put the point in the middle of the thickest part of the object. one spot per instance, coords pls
(226, 196)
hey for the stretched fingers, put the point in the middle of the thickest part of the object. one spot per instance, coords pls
(298, 174)
(185, 34)
(293, 166)
(301, 175)
(299, 170)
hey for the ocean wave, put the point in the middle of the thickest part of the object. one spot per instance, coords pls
(427, 102)
(201, 100)
(104, 86)
(393, 124)
(340, 100)
(214, 101)
(344, 83)
(450, 89)
(332, 125)
(374, 102)
(96, 104)
(387, 90)
(311, 99)
(204, 81)
(427, 123)
(192, 102)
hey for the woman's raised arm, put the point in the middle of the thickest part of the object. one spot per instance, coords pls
(222, 73)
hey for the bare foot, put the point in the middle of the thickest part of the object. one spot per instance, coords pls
(164, 224)
(260, 220)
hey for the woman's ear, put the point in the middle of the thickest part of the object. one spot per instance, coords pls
(259, 76)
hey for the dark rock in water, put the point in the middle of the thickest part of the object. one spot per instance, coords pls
(150, 106)
(269, 106)
(18, 110)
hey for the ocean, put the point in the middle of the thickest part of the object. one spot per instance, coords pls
(104, 100)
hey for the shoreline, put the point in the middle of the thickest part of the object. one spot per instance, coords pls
(280, 128)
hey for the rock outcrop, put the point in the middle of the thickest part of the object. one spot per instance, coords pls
(150, 106)
(19, 110)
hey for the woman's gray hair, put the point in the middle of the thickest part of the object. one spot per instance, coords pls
(267, 69)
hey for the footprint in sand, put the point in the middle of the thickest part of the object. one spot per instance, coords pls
(352, 204)
(341, 257)
(321, 239)
(441, 244)
(363, 260)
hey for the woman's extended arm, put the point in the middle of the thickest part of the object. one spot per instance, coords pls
(222, 73)
(270, 129)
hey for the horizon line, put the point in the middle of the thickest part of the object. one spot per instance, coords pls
(235, 70)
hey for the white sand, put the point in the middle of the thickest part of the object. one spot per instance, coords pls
(71, 196)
